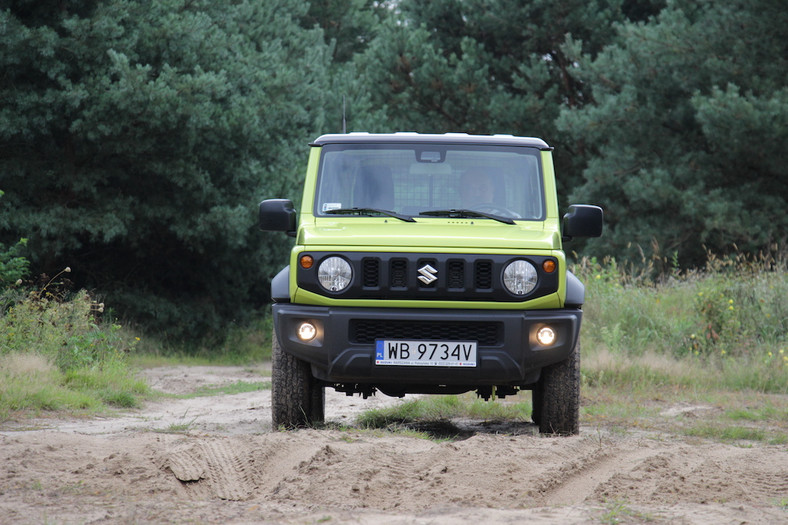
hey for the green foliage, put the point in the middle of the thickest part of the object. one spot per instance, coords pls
(689, 130)
(54, 354)
(728, 326)
(13, 266)
(347, 26)
(65, 332)
(141, 138)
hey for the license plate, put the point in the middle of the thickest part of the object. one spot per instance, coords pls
(425, 353)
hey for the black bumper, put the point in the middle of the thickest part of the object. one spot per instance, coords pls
(507, 353)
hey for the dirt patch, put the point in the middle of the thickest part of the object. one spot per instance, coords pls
(226, 465)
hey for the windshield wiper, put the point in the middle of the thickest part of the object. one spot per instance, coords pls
(463, 213)
(367, 211)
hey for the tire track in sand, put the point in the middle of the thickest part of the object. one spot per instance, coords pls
(216, 467)
(580, 477)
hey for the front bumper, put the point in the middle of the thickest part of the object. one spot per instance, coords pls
(343, 351)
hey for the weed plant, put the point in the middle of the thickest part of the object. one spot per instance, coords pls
(723, 327)
(55, 353)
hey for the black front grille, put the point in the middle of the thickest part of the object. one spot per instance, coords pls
(399, 273)
(366, 331)
(427, 277)
(483, 275)
(456, 278)
(371, 273)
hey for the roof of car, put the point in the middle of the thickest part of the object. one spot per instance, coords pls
(446, 138)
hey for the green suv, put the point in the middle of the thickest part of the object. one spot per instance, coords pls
(428, 264)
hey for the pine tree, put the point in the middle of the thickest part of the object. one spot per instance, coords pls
(687, 137)
(488, 66)
(136, 139)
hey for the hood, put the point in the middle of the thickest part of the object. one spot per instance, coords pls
(429, 233)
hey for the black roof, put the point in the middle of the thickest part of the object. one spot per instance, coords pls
(446, 138)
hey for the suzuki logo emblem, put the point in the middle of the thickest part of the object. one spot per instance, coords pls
(427, 274)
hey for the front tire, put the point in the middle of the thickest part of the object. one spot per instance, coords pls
(297, 399)
(536, 403)
(558, 396)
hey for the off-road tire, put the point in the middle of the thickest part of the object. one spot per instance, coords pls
(536, 403)
(297, 399)
(559, 393)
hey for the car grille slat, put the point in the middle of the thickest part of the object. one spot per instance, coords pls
(371, 272)
(456, 278)
(399, 273)
(483, 275)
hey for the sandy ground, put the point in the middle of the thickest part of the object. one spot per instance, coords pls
(217, 460)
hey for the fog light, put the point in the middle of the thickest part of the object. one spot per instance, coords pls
(306, 331)
(545, 336)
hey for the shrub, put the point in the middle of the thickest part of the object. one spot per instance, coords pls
(56, 353)
(731, 319)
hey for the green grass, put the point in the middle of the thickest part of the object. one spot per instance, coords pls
(176, 428)
(739, 312)
(619, 512)
(435, 408)
(55, 354)
(722, 432)
(758, 413)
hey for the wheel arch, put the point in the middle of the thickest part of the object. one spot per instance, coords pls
(280, 286)
(575, 290)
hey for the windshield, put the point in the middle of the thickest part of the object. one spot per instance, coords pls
(436, 180)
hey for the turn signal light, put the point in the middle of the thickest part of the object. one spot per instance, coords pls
(548, 266)
(306, 262)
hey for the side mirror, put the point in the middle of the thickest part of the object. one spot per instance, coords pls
(278, 215)
(583, 220)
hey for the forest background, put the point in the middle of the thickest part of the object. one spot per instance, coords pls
(138, 137)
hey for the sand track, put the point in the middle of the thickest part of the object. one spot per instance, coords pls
(229, 467)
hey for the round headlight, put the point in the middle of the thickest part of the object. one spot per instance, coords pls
(334, 274)
(519, 277)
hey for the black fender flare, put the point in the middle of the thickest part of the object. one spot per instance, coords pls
(575, 290)
(280, 286)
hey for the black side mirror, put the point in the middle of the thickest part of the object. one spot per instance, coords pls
(278, 215)
(583, 220)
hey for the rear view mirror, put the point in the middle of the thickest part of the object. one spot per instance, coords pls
(582, 220)
(278, 215)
